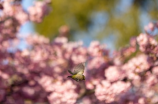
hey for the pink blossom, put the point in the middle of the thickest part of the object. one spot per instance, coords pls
(108, 92)
(95, 49)
(155, 70)
(66, 94)
(149, 27)
(133, 41)
(142, 39)
(64, 31)
(8, 9)
(22, 17)
(123, 54)
(151, 80)
(138, 64)
(146, 42)
(39, 72)
(38, 11)
(114, 73)
(61, 40)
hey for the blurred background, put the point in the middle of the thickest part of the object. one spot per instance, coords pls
(112, 22)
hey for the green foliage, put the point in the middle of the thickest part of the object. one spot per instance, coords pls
(77, 13)
(74, 13)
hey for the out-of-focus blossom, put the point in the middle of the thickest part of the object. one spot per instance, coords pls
(38, 74)
(35, 39)
(155, 70)
(95, 49)
(151, 80)
(21, 16)
(114, 73)
(64, 31)
(95, 71)
(61, 40)
(123, 54)
(149, 27)
(146, 42)
(133, 41)
(8, 8)
(138, 64)
(58, 90)
(38, 11)
(108, 92)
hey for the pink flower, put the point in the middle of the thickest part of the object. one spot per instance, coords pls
(8, 9)
(155, 70)
(39, 73)
(102, 91)
(114, 73)
(22, 17)
(28, 91)
(142, 39)
(151, 80)
(64, 31)
(38, 11)
(133, 41)
(61, 40)
(149, 27)
(36, 39)
(66, 94)
(109, 92)
(95, 49)
(138, 64)
(146, 42)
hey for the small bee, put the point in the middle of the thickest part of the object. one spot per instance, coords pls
(77, 72)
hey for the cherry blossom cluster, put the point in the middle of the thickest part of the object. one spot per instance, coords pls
(38, 73)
